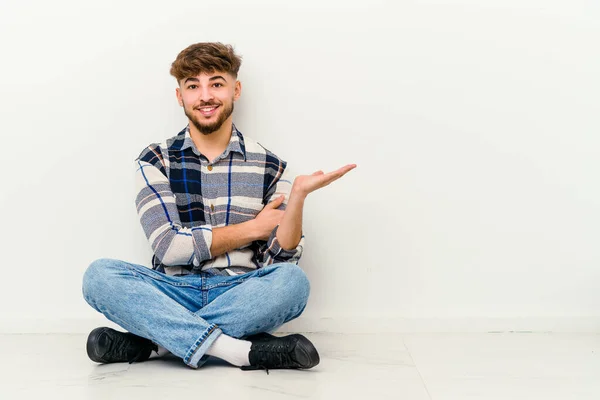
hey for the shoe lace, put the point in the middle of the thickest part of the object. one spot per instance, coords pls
(127, 349)
(263, 367)
(273, 354)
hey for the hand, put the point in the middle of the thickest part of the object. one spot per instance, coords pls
(268, 218)
(305, 184)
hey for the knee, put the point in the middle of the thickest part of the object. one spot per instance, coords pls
(293, 284)
(95, 277)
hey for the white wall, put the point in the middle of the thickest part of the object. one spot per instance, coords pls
(474, 126)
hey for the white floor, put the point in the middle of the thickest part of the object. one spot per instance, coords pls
(402, 366)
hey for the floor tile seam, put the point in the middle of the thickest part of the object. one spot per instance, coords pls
(417, 368)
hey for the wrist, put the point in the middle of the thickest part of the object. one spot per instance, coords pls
(297, 193)
(252, 229)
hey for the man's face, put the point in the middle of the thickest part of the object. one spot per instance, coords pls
(207, 99)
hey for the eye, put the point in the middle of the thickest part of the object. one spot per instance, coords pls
(192, 86)
(220, 84)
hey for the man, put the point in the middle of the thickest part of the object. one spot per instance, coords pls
(224, 219)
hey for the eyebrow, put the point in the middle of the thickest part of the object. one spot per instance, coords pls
(212, 78)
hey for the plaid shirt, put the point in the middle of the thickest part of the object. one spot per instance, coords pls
(182, 197)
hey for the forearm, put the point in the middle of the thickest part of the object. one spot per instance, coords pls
(232, 237)
(289, 232)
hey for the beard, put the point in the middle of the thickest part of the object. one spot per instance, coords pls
(207, 129)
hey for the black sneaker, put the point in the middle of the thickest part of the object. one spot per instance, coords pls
(105, 345)
(272, 352)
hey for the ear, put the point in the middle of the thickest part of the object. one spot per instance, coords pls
(179, 97)
(237, 90)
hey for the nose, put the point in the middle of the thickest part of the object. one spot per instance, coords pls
(205, 95)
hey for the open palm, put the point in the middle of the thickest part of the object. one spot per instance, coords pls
(306, 184)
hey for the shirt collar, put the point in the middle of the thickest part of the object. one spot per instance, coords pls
(236, 142)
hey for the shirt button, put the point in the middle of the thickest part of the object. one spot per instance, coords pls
(209, 167)
(212, 207)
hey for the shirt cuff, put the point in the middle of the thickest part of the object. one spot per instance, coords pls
(202, 241)
(275, 250)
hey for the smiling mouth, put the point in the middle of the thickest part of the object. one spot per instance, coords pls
(208, 110)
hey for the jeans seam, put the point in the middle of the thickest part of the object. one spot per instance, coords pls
(216, 285)
(194, 349)
(204, 291)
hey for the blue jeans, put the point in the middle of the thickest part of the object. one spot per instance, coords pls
(185, 314)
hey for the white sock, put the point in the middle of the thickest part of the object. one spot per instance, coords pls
(234, 351)
(161, 352)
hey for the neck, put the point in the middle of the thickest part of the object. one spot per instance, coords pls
(216, 142)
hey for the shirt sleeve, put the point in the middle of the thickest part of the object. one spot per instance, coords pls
(156, 206)
(270, 252)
